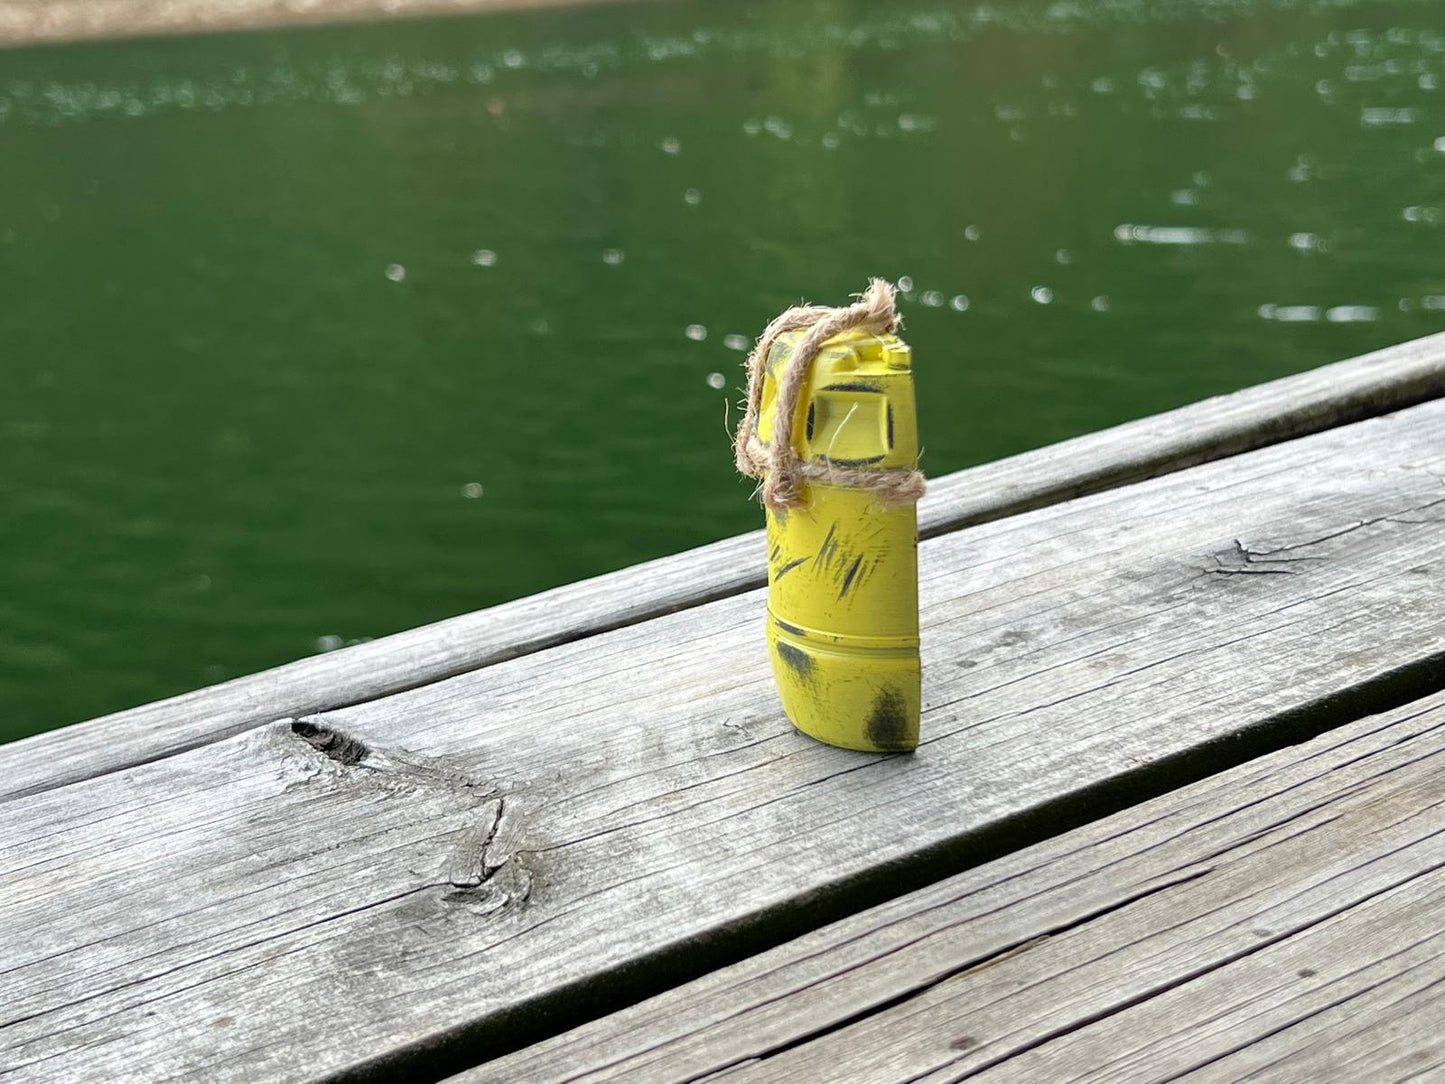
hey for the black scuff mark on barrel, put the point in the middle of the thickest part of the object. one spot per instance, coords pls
(850, 576)
(794, 563)
(796, 660)
(890, 426)
(888, 722)
(855, 462)
(777, 549)
(789, 628)
(812, 411)
(856, 385)
(829, 546)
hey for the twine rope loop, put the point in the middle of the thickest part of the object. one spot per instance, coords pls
(777, 462)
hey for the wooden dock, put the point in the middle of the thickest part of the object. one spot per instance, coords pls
(1177, 812)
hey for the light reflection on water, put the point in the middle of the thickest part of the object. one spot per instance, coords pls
(318, 335)
(1394, 55)
(1304, 314)
(1179, 235)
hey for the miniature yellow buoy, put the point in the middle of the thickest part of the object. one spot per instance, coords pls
(831, 431)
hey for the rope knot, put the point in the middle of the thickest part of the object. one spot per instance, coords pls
(777, 463)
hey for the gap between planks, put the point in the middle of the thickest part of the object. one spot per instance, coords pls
(1281, 410)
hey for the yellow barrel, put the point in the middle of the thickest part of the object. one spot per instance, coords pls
(843, 565)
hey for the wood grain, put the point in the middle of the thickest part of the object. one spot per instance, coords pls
(414, 883)
(1215, 428)
(1387, 1023)
(1283, 920)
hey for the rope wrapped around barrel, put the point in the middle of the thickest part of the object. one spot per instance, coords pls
(777, 463)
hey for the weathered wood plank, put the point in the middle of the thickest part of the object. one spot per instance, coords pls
(484, 860)
(1256, 417)
(1288, 910)
(1372, 924)
(1393, 1030)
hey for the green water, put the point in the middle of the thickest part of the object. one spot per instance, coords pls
(312, 336)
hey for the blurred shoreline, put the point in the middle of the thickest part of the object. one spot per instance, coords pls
(35, 22)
